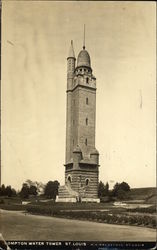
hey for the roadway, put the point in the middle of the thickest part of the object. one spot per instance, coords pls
(16, 225)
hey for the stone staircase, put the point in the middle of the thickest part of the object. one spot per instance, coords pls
(66, 193)
(63, 192)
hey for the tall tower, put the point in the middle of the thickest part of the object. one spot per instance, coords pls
(82, 158)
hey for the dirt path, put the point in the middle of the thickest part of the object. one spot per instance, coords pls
(16, 225)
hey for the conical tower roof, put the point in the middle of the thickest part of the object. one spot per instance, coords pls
(71, 51)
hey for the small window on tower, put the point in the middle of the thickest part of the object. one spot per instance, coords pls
(86, 141)
(86, 121)
(87, 80)
(87, 182)
(87, 100)
(69, 179)
(80, 70)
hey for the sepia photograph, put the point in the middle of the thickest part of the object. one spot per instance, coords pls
(78, 125)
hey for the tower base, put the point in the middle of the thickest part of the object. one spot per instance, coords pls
(81, 183)
(76, 199)
(58, 199)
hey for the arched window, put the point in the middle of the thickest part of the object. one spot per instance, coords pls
(86, 121)
(86, 141)
(87, 182)
(87, 80)
(87, 100)
(69, 179)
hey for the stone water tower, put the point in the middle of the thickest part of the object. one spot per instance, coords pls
(82, 158)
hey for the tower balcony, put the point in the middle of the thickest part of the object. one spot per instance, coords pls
(84, 80)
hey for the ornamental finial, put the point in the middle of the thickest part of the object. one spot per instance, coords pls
(84, 38)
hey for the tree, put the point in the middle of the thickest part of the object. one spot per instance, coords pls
(107, 188)
(101, 189)
(14, 192)
(125, 186)
(120, 189)
(33, 190)
(30, 183)
(51, 189)
(115, 189)
(8, 191)
(121, 194)
(2, 190)
(39, 186)
(24, 193)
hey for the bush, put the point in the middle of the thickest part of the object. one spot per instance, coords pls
(150, 210)
(13, 207)
(153, 222)
(44, 210)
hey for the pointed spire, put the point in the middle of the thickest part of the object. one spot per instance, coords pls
(71, 50)
(84, 38)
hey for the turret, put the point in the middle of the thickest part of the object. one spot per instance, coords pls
(70, 66)
(77, 156)
(70, 75)
(94, 155)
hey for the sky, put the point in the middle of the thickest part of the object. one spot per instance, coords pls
(120, 38)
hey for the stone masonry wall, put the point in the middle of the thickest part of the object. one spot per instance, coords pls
(78, 182)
